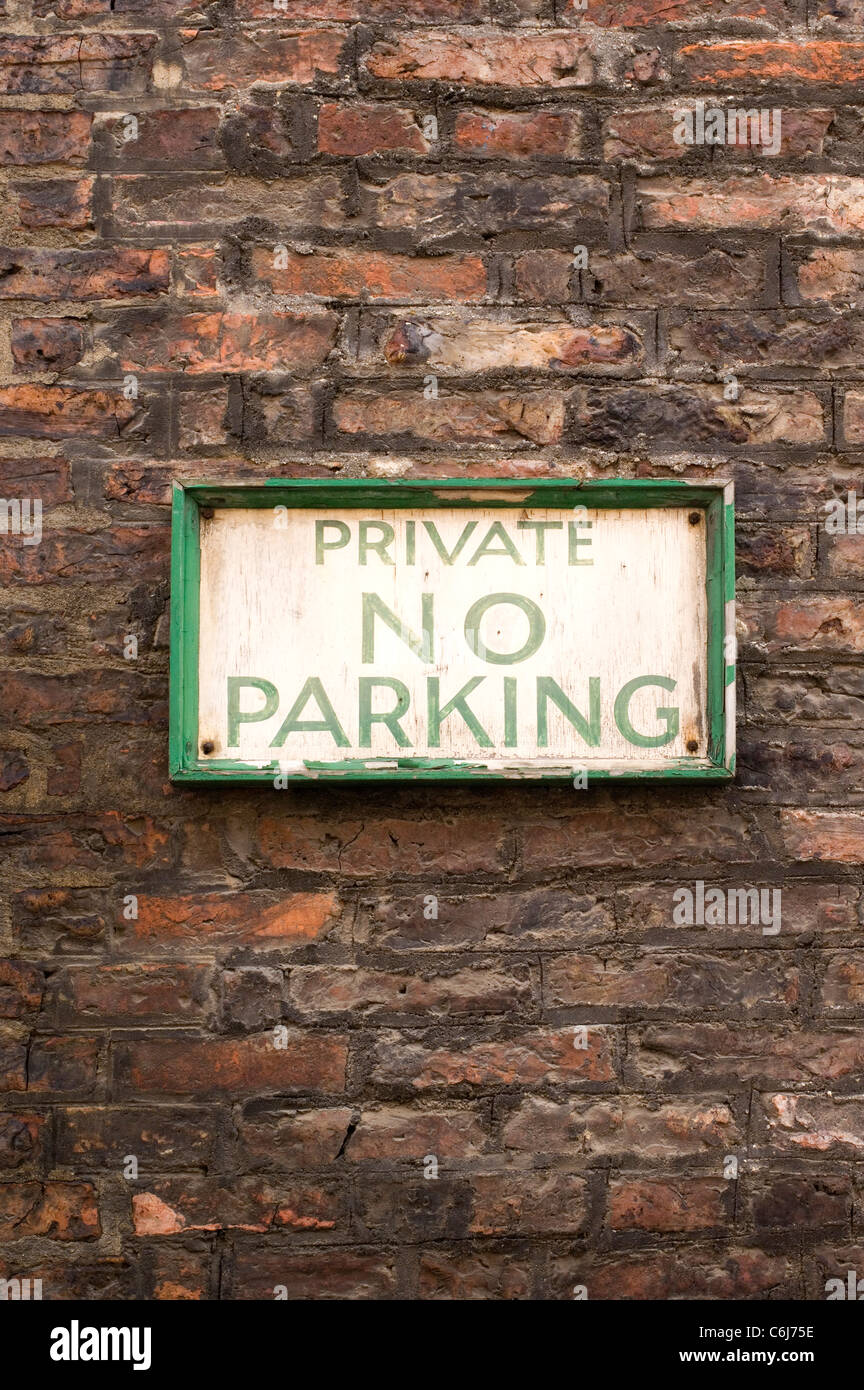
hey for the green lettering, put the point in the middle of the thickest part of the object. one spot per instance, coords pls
(589, 728)
(375, 607)
(536, 630)
(236, 717)
(379, 546)
(312, 690)
(496, 532)
(437, 713)
(321, 545)
(390, 717)
(665, 712)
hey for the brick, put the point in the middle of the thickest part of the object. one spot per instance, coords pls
(620, 1128)
(165, 205)
(35, 273)
(72, 63)
(40, 344)
(53, 1210)
(832, 274)
(550, 918)
(649, 277)
(351, 1273)
(370, 275)
(21, 1138)
(803, 1203)
(293, 1139)
(180, 1274)
(821, 204)
(454, 846)
(650, 14)
(544, 277)
(853, 417)
(763, 63)
(260, 138)
(657, 416)
(248, 919)
(81, 557)
(172, 1206)
(188, 137)
(214, 61)
(462, 344)
(58, 412)
(834, 836)
(127, 994)
(775, 339)
(217, 341)
(67, 1066)
(324, 990)
(703, 983)
(814, 1125)
(353, 129)
(479, 58)
(649, 134)
(434, 208)
(685, 1055)
(527, 1203)
(480, 1275)
(21, 987)
(14, 769)
(595, 837)
(47, 478)
(518, 134)
(44, 137)
(655, 1204)
(830, 623)
(685, 1273)
(546, 1057)
(56, 203)
(90, 1138)
(310, 1062)
(507, 418)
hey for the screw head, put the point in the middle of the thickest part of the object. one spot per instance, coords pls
(207, 747)
(692, 745)
(694, 518)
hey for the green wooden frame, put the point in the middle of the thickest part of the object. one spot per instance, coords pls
(716, 499)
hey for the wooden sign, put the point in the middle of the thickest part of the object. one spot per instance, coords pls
(458, 629)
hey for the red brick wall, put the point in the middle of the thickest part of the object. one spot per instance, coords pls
(151, 1037)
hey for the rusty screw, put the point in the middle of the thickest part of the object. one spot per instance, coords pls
(207, 747)
(206, 513)
(694, 518)
(692, 745)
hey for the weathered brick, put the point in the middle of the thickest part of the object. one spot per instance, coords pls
(52, 1210)
(190, 1066)
(484, 58)
(361, 275)
(463, 344)
(657, 1204)
(56, 203)
(34, 273)
(44, 137)
(171, 1206)
(215, 61)
(505, 417)
(72, 63)
(546, 1058)
(659, 415)
(351, 129)
(764, 63)
(821, 204)
(518, 134)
